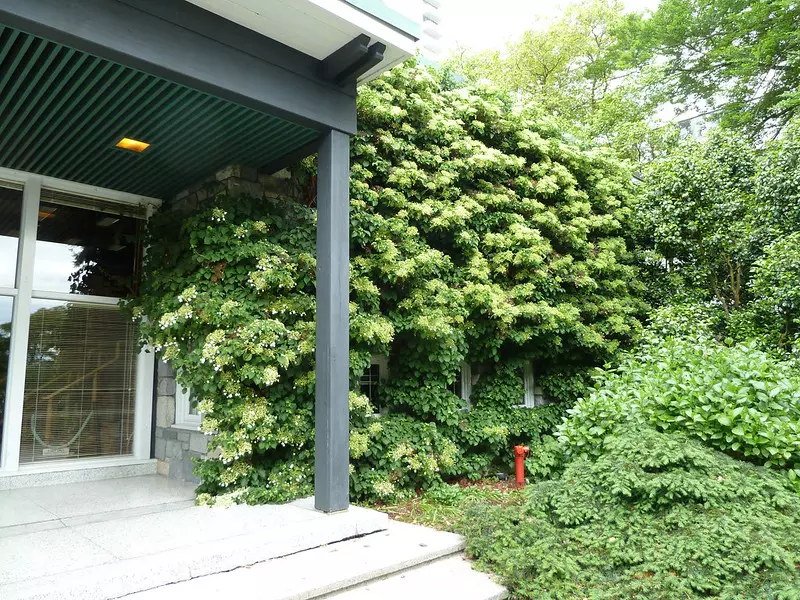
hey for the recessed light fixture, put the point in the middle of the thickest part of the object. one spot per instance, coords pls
(107, 221)
(132, 145)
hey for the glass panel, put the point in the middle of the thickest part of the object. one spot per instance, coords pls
(86, 247)
(529, 385)
(370, 381)
(6, 307)
(10, 218)
(80, 384)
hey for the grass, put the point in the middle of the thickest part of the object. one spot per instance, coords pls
(443, 508)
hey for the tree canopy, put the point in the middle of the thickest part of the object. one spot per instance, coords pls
(741, 57)
(578, 70)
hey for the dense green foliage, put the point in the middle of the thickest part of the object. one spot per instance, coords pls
(582, 68)
(738, 55)
(715, 226)
(652, 515)
(695, 220)
(736, 399)
(673, 475)
(478, 235)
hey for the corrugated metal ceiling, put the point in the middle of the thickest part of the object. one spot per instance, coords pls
(62, 111)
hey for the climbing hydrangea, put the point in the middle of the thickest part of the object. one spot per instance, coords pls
(477, 234)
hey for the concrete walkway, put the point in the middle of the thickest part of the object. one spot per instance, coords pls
(107, 539)
(404, 562)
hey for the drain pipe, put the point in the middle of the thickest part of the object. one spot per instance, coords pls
(520, 452)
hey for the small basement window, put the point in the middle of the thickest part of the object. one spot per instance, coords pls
(373, 377)
(532, 396)
(462, 386)
(186, 413)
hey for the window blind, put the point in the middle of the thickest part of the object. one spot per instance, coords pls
(79, 384)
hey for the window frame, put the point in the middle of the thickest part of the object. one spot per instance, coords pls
(530, 398)
(23, 295)
(382, 361)
(184, 419)
(464, 377)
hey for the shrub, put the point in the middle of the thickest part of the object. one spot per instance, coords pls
(737, 399)
(653, 515)
(776, 285)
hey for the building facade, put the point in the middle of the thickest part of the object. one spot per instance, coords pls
(108, 109)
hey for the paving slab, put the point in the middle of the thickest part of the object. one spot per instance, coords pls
(322, 570)
(92, 497)
(33, 555)
(448, 578)
(17, 509)
(153, 533)
(134, 554)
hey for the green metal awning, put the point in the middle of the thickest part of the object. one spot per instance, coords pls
(62, 111)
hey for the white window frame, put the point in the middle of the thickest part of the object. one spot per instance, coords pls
(529, 385)
(23, 294)
(466, 384)
(465, 378)
(383, 370)
(184, 419)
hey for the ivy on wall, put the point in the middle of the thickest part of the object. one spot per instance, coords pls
(477, 234)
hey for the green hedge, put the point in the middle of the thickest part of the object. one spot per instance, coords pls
(737, 399)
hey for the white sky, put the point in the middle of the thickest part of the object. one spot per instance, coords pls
(484, 24)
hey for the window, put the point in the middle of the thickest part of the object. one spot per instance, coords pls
(532, 396)
(80, 382)
(86, 247)
(373, 376)
(80, 377)
(10, 218)
(462, 386)
(186, 413)
(6, 308)
(72, 383)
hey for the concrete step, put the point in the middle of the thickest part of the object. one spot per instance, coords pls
(451, 577)
(329, 570)
(115, 558)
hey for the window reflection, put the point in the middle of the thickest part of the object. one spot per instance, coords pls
(10, 217)
(82, 248)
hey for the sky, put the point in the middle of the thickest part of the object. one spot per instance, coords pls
(485, 24)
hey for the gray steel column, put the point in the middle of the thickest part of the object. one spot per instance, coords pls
(332, 453)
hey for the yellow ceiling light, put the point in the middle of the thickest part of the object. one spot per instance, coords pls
(132, 145)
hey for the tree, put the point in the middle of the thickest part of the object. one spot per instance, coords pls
(696, 218)
(738, 56)
(778, 186)
(577, 71)
(776, 288)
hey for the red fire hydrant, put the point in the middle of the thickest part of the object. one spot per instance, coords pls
(520, 452)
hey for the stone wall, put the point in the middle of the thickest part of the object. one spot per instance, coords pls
(176, 444)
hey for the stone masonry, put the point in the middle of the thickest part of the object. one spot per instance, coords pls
(177, 444)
